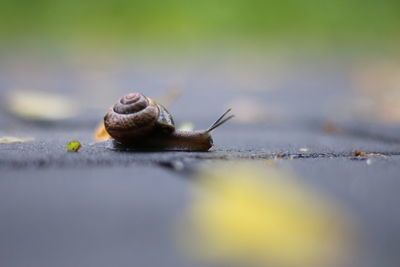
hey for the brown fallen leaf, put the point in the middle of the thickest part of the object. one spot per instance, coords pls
(279, 156)
(14, 140)
(101, 134)
(365, 154)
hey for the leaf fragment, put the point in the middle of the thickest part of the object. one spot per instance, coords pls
(101, 134)
(74, 146)
(365, 154)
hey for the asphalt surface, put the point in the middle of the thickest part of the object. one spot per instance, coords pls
(107, 206)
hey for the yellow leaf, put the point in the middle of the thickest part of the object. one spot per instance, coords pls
(101, 134)
(36, 105)
(263, 216)
(186, 126)
(13, 140)
(73, 146)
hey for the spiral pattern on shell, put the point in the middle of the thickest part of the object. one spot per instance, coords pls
(132, 117)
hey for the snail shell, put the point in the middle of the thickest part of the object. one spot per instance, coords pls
(136, 116)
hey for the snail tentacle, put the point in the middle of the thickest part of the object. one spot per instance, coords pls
(220, 121)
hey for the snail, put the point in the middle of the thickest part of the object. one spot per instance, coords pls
(140, 122)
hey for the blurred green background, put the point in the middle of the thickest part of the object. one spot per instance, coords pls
(170, 24)
(101, 49)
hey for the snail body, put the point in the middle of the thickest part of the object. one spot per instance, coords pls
(140, 122)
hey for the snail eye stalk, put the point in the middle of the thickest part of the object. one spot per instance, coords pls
(221, 120)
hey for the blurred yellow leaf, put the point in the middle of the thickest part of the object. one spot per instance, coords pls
(36, 105)
(13, 140)
(101, 134)
(73, 146)
(186, 126)
(263, 216)
(377, 85)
